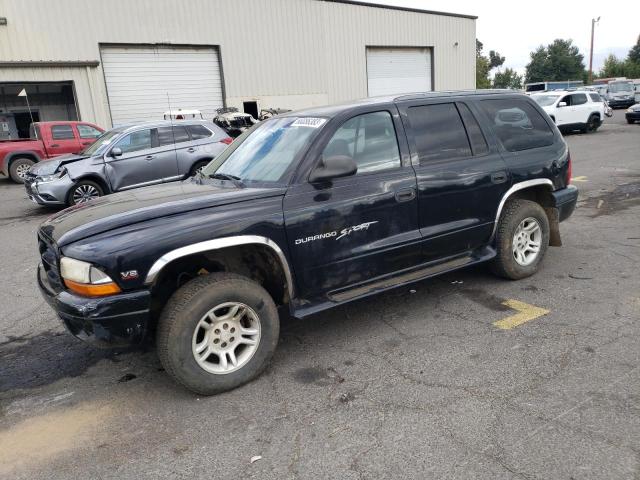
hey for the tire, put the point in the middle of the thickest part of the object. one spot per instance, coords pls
(181, 334)
(18, 168)
(198, 166)
(630, 122)
(83, 191)
(516, 213)
(593, 123)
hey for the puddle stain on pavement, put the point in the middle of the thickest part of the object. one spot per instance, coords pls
(39, 440)
(610, 202)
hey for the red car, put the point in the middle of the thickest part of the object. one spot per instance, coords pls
(48, 139)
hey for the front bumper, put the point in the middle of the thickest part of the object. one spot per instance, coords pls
(48, 193)
(565, 201)
(621, 103)
(114, 321)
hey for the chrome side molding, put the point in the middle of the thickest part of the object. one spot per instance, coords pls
(514, 188)
(217, 244)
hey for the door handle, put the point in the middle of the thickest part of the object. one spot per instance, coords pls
(191, 150)
(405, 195)
(499, 177)
(149, 157)
(54, 145)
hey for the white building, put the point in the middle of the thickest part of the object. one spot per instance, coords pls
(118, 61)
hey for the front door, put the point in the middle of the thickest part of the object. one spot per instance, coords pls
(359, 228)
(142, 162)
(460, 178)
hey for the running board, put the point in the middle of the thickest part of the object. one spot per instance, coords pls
(388, 282)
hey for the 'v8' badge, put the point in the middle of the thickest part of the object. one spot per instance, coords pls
(129, 275)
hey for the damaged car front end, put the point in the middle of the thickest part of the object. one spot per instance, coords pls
(233, 122)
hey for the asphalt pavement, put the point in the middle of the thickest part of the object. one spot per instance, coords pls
(420, 382)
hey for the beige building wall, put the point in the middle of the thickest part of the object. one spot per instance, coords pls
(282, 53)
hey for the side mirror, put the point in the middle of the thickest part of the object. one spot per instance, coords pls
(562, 104)
(334, 167)
(115, 152)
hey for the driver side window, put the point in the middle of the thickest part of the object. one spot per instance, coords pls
(369, 139)
(135, 141)
(566, 99)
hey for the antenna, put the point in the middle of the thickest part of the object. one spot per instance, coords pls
(173, 135)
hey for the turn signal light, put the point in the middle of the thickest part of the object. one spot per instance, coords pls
(90, 290)
(227, 140)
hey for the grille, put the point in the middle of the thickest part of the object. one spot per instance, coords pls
(50, 262)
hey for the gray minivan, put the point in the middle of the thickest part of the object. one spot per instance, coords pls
(124, 158)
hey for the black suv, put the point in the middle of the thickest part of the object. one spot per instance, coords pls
(306, 211)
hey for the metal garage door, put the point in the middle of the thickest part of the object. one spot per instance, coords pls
(139, 78)
(398, 70)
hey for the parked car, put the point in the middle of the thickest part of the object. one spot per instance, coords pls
(233, 122)
(311, 210)
(48, 139)
(573, 110)
(124, 158)
(633, 113)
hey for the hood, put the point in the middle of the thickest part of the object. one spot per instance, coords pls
(141, 204)
(49, 167)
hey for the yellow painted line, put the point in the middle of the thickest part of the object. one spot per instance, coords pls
(526, 313)
(581, 178)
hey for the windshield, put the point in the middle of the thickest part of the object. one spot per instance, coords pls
(266, 152)
(620, 87)
(102, 142)
(545, 100)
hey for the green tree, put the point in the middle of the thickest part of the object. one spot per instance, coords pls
(507, 79)
(613, 67)
(634, 53)
(485, 64)
(560, 60)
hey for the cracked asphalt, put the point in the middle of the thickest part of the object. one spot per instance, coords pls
(414, 383)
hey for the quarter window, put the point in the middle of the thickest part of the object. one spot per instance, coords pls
(369, 139)
(518, 125)
(439, 133)
(62, 132)
(135, 141)
(478, 142)
(198, 132)
(171, 135)
(87, 131)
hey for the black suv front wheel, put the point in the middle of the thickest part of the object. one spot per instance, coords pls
(522, 237)
(217, 332)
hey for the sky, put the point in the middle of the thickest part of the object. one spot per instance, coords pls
(515, 28)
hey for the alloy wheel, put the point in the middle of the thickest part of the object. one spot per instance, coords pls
(527, 241)
(21, 170)
(84, 193)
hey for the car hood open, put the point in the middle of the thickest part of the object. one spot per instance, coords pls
(141, 204)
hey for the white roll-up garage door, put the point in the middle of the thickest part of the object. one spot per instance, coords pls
(398, 70)
(139, 78)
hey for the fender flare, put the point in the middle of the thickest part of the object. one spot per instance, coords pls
(218, 244)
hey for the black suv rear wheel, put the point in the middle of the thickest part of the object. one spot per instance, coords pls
(217, 332)
(522, 237)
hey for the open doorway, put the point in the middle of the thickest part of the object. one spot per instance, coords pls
(23, 121)
(251, 108)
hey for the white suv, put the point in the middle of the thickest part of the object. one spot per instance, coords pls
(574, 110)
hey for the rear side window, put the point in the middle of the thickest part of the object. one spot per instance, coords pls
(439, 133)
(476, 138)
(518, 125)
(166, 135)
(595, 97)
(369, 139)
(62, 132)
(578, 99)
(198, 132)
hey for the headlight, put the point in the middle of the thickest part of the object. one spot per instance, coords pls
(52, 177)
(85, 279)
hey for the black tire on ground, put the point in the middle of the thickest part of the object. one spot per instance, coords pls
(593, 123)
(86, 185)
(184, 310)
(515, 211)
(18, 168)
(197, 166)
(630, 121)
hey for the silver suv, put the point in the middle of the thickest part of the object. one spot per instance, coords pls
(124, 158)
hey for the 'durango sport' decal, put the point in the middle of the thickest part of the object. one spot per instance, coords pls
(336, 234)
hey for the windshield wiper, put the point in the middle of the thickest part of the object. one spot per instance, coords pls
(225, 176)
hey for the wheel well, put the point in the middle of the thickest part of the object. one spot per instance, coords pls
(541, 194)
(257, 262)
(200, 160)
(95, 178)
(18, 156)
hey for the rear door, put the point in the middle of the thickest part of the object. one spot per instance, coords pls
(461, 176)
(355, 229)
(63, 140)
(143, 161)
(174, 143)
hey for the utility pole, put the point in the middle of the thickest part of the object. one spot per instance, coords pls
(593, 25)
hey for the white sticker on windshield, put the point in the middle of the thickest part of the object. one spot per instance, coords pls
(309, 122)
